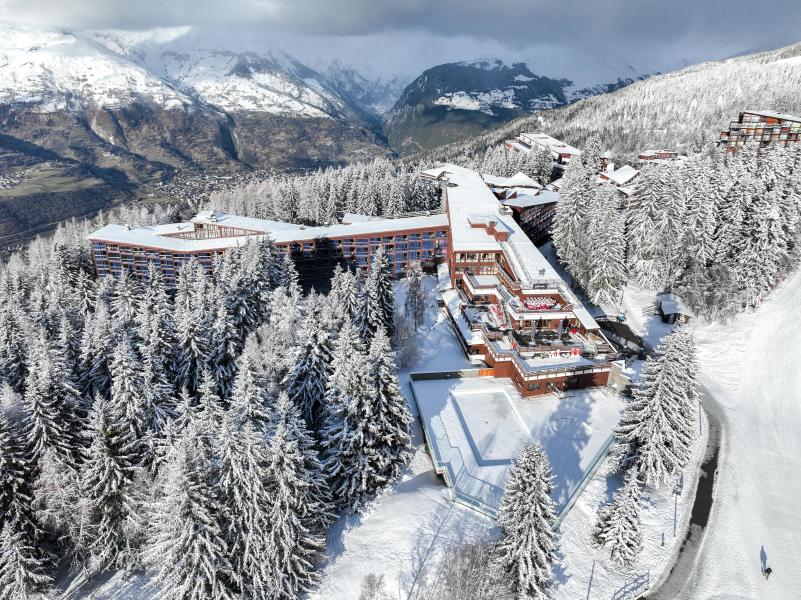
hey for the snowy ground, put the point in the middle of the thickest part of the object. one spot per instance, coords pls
(480, 424)
(752, 368)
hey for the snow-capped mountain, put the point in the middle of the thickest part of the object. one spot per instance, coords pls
(455, 100)
(174, 98)
(378, 95)
(55, 70)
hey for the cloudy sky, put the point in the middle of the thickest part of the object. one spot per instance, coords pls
(406, 36)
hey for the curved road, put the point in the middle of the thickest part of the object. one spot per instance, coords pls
(752, 369)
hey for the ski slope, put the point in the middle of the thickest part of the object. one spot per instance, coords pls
(752, 366)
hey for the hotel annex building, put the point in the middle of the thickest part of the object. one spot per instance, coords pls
(510, 309)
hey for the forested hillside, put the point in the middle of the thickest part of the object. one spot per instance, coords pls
(682, 110)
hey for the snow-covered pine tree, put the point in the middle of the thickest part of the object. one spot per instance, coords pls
(618, 525)
(591, 155)
(126, 402)
(97, 346)
(156, 327)
(249, 400)
(416, 296)
(645, 213)
(763, 260)
(241, 454)
(294, 546)
(351, 457)
(368, 313)
(125, 299)
(391, 419)
(225, 344)
(192, 326)
(569, 225)
(290, 280)
(51, 419)
(526, 548)
(186, 544)
(385, 293)
(607, 260)
(13, 344)
(318, 508)
(108, 486)
(306, 382)
(657, 428)
(16, 476)
(60, 506)
(344, 293)
(22, 568)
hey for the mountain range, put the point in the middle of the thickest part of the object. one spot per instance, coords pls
(91, 117)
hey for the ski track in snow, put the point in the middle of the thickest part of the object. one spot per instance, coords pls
(753, 367)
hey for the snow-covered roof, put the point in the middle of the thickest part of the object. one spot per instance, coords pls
(529, 200)
(157, 236)
(621, 176)
(349, 218)
(671, 304)
(773, 115)
(209, 217)
(516, 180)
(555, 146)
(467, 198)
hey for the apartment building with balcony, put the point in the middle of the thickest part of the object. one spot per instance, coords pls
(762, 127)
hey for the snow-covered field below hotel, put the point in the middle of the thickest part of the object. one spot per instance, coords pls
(752, 369)
(480, 424)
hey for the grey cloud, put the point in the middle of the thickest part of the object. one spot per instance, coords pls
(677, 29)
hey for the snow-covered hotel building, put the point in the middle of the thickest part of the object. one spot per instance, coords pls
(510, 309)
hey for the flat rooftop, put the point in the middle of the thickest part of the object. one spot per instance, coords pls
(158, 236)
(773, 115)
(468, 200)
(477, 425)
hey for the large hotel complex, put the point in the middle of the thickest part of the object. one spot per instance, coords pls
(509, 307)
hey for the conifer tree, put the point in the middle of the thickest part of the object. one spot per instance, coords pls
(242, 458)
(108, 486)
(618, 526)
(186, 546)
(391, 419)
(126, 404)
(305, 383)
(368, 313)
(569, 225)
(225, 345)
(416, 296)
(192, 326)
(526, 548)
(22, 569)
(13, 343)
(97, 346)
(644, 215)
(289, 276)
(50, 402)
(293, 546)
(385, 294)
(249, 397)
(351, 458)
(16, 495)
(657, 428)
(607, 261)
(318, 508)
